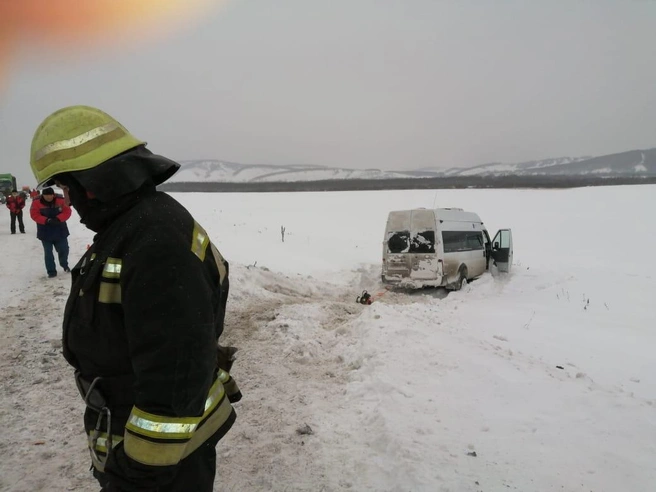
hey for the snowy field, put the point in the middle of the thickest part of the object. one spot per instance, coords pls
(541, 380)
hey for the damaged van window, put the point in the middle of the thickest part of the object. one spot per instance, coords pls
(398, 242)
(423, 242)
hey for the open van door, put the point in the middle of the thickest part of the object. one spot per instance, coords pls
(502, 250)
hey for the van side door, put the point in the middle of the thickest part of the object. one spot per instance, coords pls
(502, 250)
(477, 256)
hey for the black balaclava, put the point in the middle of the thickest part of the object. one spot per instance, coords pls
(87, 208)
(103, 192)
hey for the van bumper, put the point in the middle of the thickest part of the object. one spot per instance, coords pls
(406, 282)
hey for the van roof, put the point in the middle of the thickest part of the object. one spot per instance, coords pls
(456, 215)
(421, 218)
(446, 214)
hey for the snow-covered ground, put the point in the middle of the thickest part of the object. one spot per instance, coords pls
(541, 380)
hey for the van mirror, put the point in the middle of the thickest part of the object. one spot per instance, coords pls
(496, 245)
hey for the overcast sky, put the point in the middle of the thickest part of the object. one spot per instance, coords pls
(391, 84)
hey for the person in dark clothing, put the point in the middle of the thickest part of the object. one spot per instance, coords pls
(50, 213)
(16, 204)
(145, 313)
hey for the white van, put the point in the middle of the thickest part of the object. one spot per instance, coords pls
(444, 247)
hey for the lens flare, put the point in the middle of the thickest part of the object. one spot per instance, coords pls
(83, 25)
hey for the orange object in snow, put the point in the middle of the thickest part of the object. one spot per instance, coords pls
(366, 298)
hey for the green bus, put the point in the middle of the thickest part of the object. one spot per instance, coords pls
(7, 184)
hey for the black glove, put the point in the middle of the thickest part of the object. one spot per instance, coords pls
(53, 221)
(226, 357)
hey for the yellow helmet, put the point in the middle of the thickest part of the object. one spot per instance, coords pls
(77, 138)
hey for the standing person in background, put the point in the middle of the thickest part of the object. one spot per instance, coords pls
(15, 204)
(50, 213)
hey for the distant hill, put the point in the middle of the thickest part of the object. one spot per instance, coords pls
(222, 171)
(630, 164)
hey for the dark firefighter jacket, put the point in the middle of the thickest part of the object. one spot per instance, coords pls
(145, 313)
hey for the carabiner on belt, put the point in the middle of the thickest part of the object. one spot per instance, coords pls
(95, 434)
(95, 400)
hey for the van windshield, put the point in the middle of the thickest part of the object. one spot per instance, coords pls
(417, 242)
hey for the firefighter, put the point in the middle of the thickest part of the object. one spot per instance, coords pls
(145, 312)
(16, 204)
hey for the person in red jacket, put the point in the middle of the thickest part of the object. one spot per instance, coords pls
(15, 204)
(50, 213)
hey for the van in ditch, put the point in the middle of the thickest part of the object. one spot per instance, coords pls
(444, 247)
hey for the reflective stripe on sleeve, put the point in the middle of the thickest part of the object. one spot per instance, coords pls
(220, 263)
(223, 376)
(215, 394)
(161, 427)
(112, 268)
(159, 440)
(153, 453)
(199, 241)
(210, 426)
(109, 293)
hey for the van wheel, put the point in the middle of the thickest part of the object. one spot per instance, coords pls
(462, 281)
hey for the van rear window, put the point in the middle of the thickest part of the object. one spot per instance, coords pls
(423, 242)
(398, 242)
(462, 241)
(404, 242)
